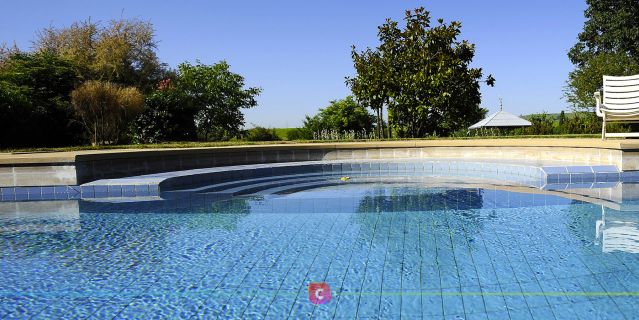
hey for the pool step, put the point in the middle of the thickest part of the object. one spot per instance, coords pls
(258, 178)
(256, 187)
(243, 182)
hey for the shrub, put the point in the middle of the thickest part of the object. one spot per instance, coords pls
(106, 108)
(299, 134)
(262, 134)
(341, 119)
(541, 124)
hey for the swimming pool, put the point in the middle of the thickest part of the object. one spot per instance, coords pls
(387, 247)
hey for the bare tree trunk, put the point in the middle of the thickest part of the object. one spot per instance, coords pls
(388, 123)
(381, 113)
(380, 123)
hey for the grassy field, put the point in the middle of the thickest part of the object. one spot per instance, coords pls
(241, 143)
(283, 132)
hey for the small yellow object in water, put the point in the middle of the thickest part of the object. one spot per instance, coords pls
(344, 178)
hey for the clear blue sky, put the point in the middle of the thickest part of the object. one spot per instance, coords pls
(299, 51)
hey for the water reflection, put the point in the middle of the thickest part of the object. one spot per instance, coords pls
(39, 216)
(416, 199)
(618, 231)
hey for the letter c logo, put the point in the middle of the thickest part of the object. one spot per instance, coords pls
(319, 292)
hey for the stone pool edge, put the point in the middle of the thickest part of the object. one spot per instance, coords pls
(79, 167)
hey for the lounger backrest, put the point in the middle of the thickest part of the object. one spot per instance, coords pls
(621, 92)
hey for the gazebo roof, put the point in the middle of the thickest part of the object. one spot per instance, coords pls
(501, 119)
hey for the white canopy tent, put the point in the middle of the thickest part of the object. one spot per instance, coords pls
(501, 119)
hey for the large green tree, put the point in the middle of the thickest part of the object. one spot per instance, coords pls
(371, 85)
(341, 116)
(169, 116)
(608, 45)
(423, 74)
(219, 96)
(197, 102)
(35, 109)
(120, 51)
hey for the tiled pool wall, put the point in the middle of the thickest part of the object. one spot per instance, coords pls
(548, 177)
(90, 168)
(86, 166)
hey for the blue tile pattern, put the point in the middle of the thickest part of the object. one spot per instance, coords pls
(387, 251)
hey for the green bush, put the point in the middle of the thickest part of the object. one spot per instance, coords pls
(542, 124)
(261, 134)
(298, 134)
(343, 118)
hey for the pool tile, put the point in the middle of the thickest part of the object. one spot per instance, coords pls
(347, 306)
(153, 190)
(368, 306)
(473, 300)
(460, 244)
(579, 169)
(87, 191)
(142, 190)
(582, 177)
(128, 191)
(498, 315)
(565, 178)
(627, 176)
(21, 193)
(101, 191)
(8, 194)
(452, 302)
(555, 170)
(391, 306)
(47, 191)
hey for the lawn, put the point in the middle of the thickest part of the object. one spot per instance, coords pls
(283, 132)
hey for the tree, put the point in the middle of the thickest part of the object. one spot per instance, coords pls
(422, 74)
(612, 26)
(7, 51)
(342, 116)
(588, 77)
(608, 45)
(197, 101)
(122, 51)
(370, 84)
(542, 124)
(34, 100)
(15, 110)
(219, 97)
(106, 108)
(169, 115)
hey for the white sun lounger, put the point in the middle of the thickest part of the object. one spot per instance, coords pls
(620, 103)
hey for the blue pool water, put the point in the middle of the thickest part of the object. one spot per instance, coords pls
(386, 251)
